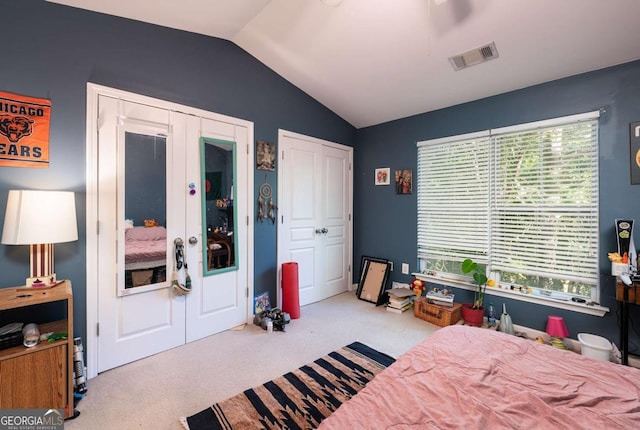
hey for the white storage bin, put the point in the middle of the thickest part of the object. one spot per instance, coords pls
(595, 347)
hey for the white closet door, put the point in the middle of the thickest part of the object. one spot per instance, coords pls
(136, 318)
(219, 299)
(315, 186)
(135, 321)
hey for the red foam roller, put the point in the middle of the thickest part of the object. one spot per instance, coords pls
(290, 290)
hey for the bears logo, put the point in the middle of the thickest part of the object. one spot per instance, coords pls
(15, 127)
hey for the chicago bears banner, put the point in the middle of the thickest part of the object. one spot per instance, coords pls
(24, 131)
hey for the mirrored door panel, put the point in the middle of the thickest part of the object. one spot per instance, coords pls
(145, 212)
(218, 160)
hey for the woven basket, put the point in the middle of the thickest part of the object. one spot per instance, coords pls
(436, 314)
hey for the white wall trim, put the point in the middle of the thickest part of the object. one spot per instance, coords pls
(596, 310)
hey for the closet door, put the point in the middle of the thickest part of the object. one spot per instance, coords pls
(219, 167)
(315, 186)
(147, 159)
(140, 177)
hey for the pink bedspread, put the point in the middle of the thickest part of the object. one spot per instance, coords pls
(466, 377)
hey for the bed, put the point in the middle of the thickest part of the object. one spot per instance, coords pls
(467, 377)
(145, 256)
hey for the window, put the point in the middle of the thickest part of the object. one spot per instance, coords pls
(522, 200)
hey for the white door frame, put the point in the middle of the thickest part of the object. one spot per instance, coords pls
(92, 226)
(281, 195)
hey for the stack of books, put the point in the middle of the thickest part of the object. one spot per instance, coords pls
(440, 297)
(400, 299)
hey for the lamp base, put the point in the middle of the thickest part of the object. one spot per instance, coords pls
(558, 343)
(41, 281)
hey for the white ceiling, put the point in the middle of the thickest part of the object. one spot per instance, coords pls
(373, 61)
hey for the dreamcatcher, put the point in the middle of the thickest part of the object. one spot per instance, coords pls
(266, 208)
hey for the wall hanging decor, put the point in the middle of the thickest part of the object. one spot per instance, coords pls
(404, 181)
(382, 176)
(24, 131)
(266, 207)
(634, 142)
(265, 156)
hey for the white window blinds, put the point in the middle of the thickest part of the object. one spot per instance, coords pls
(453, 198)
(520, 199)
(544, 201)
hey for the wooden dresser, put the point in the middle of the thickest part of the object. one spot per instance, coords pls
(40, 376)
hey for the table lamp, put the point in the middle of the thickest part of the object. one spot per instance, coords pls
(40, 219)
(557, 329)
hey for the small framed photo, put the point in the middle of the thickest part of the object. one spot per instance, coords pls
(634, 142)
(403, 181)
(383, 176)
(265, 156)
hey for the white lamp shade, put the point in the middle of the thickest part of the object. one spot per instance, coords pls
(40, 217)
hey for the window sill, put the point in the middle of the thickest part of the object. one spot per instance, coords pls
(596, 310)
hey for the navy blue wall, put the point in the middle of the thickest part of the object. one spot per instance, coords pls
(385, 223)
(145, 179)
(52, 51)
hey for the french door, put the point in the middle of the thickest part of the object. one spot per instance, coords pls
(148, 196)
(315, 188)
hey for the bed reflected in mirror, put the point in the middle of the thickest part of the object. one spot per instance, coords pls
(219, 221)
(145, 210)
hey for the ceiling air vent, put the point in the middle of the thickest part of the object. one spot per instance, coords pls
(475, 56)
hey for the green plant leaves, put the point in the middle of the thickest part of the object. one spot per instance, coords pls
(480, 278)
(469, 266)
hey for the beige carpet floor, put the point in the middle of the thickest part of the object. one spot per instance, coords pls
(154, 392)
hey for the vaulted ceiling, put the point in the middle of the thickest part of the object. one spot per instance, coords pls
(373, 61)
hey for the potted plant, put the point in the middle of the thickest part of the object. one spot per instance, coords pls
(473, 313)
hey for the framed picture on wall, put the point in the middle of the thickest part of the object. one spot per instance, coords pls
(403, 180)
(265, 156)
(383, 176)
(634, 142)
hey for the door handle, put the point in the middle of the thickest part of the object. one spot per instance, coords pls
(319, 231)
(193, 240)
(324, 230)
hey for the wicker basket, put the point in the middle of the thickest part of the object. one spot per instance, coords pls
(436, 314)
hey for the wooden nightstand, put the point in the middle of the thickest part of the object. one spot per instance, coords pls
(41, 376)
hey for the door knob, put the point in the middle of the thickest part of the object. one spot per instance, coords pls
(324, 230)
(319, 231)
(193, 240)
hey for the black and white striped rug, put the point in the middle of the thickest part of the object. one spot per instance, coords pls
(300, 399)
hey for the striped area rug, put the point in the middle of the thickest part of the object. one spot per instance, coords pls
(300, 399)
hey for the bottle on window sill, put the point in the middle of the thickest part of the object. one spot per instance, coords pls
(491, 315)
